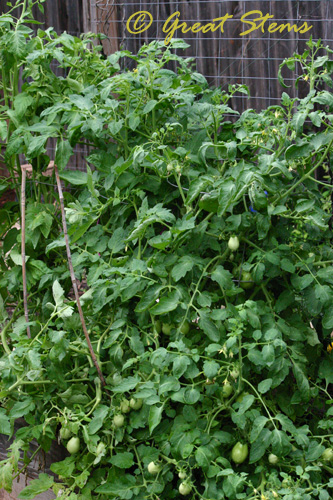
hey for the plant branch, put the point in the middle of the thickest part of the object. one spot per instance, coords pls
(307, 175)
(71, 270)
(24, 269)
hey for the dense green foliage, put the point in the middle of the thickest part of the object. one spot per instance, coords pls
(210, 348)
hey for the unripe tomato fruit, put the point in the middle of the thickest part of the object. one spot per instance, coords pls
(182, 474)
(158, 326)
(227, 389)
(118, 420)
(166, 328)
(153, 468)
(135, 404)
(170, 167)
(241, 397)
(273, 459)
(239, 453)
(246, 281)
(327, 456)
(73, 445)
(125, 406)
(184, 489)
(234, 373)
(101, 447)
(116, 379)
(233, 243)
(185, 328)
(65, 433)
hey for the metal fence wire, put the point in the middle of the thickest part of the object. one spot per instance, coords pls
(224, 58)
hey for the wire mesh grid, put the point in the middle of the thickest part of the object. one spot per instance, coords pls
(224, 58)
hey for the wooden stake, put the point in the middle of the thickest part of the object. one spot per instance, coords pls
(71, 270)
(24, 269)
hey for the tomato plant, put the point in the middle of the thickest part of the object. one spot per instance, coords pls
(172, 311)
(153, 468)
(327, 455)
(135, 404)
(273, 459)
(239, 453)
(227, 389)
(125, 406)
(65, 433)
(118, 421)
(73, 445)
(233, 243)
(185, 489)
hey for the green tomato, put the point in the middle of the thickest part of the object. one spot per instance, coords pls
(227, 389)
(116, 379)
(158, 326)
(233, 243)
(101, 447)
(273, 459)
(182, 474)
(327, 456)
(185, 328)
(185, 489)
(234, 372)
(241, 397)
(246, 281)
(239, 453)
(118, 421)
(153, 468)
(166, 328)
(135, 404)
(65, 433)
(170, 167)
(73, 445)
(125, 406)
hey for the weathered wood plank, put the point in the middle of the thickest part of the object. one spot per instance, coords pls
(227, 57)
(106, 22)
(41, 463)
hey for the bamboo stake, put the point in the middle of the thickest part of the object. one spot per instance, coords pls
(71, 270)
(24, 269)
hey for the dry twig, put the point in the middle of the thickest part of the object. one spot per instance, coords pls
(24, 269)
(71, 270)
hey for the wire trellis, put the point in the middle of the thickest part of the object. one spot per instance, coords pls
(224, 58)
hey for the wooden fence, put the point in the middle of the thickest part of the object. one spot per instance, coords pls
(224, 58)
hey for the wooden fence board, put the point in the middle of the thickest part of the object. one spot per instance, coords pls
(229, 58)
(222, 57)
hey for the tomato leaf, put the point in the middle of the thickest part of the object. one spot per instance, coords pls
(37, 486)
(155, 417)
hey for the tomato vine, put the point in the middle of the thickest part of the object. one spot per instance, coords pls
(201, 241)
